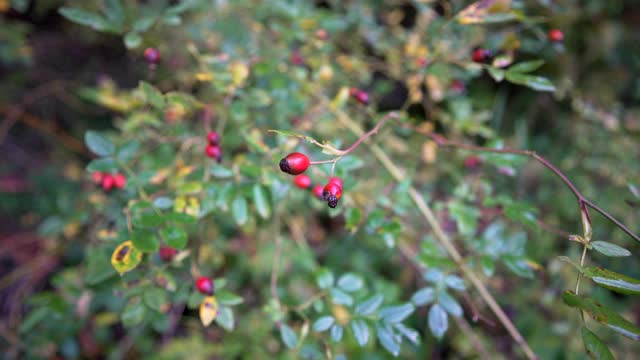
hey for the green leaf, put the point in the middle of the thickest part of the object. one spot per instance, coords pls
(387, 340)
(20, 5)
(132, 40)
(128, 151)
(239, 210)
(107, 164)
(609, 249)
(114, 11)
(228, 299)
(409, 333)
(225, 318)
(396, 314)
(336, 333)
(83, 17)
(34, 318)
(353, 217)
(147, 219)
(180, 218)
(602, 315)
(323, 323)
(526, 66)
(596, 349)
(340, 297)
(449, 304)
(144, 23)
(289, 338)
(154, 298)
(133, 314)
(538, 83)
(423, 296)
(433, 276)
(162, 202)
(324, 278)
(350, 282)
(219, 284)
(261, 201)
(519, 266)
(370, 305)
(145, 241)
(488, 265)
(496, 74)
(221, 172)
(152, 95)
(612, 280)
(99, 144)
(360, 331)
(438, 322)
(455, 282)
(176, 237)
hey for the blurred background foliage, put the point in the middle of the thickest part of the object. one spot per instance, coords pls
(244, 67)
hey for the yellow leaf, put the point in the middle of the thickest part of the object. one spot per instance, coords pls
(125, 257)
(208, 310)
(204, 76)
(239, 72)
(341, 314)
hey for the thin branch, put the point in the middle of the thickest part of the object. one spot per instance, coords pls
(371, 132)
(582, 200)
(440, 235)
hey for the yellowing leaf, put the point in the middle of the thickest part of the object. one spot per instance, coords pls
(340, 99)
(239, 72)
(478, 12)
(204, 76)
(125, 257)
(208, 310)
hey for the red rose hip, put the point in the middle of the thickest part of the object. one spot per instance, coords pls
(97, 177)
(332, 189)
(167, 253)
(302, 181)
(359, 95)
(204, 284)
(295, 163)
(120, 181)
(336, 180)
(213, 138)
(317, 191)
(481, 55)
(556, 35)
(107, 182)
(151, 56)
(214, 152)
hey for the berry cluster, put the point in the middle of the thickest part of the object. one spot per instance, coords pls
(213, 149)
(296, 164)
(484, 56)
(108, 181)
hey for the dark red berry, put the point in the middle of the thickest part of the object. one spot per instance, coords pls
(296, 58)
(151, 56)
(294, 163)
(336, 180)
(421, 62)
(120, 181)
(317, 191)
(359, 95)
(214, 152)
(481, 55)
(331, 189)
(107, 182)
(302, 181)
(213, 138)
(556, 35)
(167, 253)
(472, 162)
(97, 177)
(204, 284)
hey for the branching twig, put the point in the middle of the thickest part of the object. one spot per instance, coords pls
(444, 240)
(583, 202)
